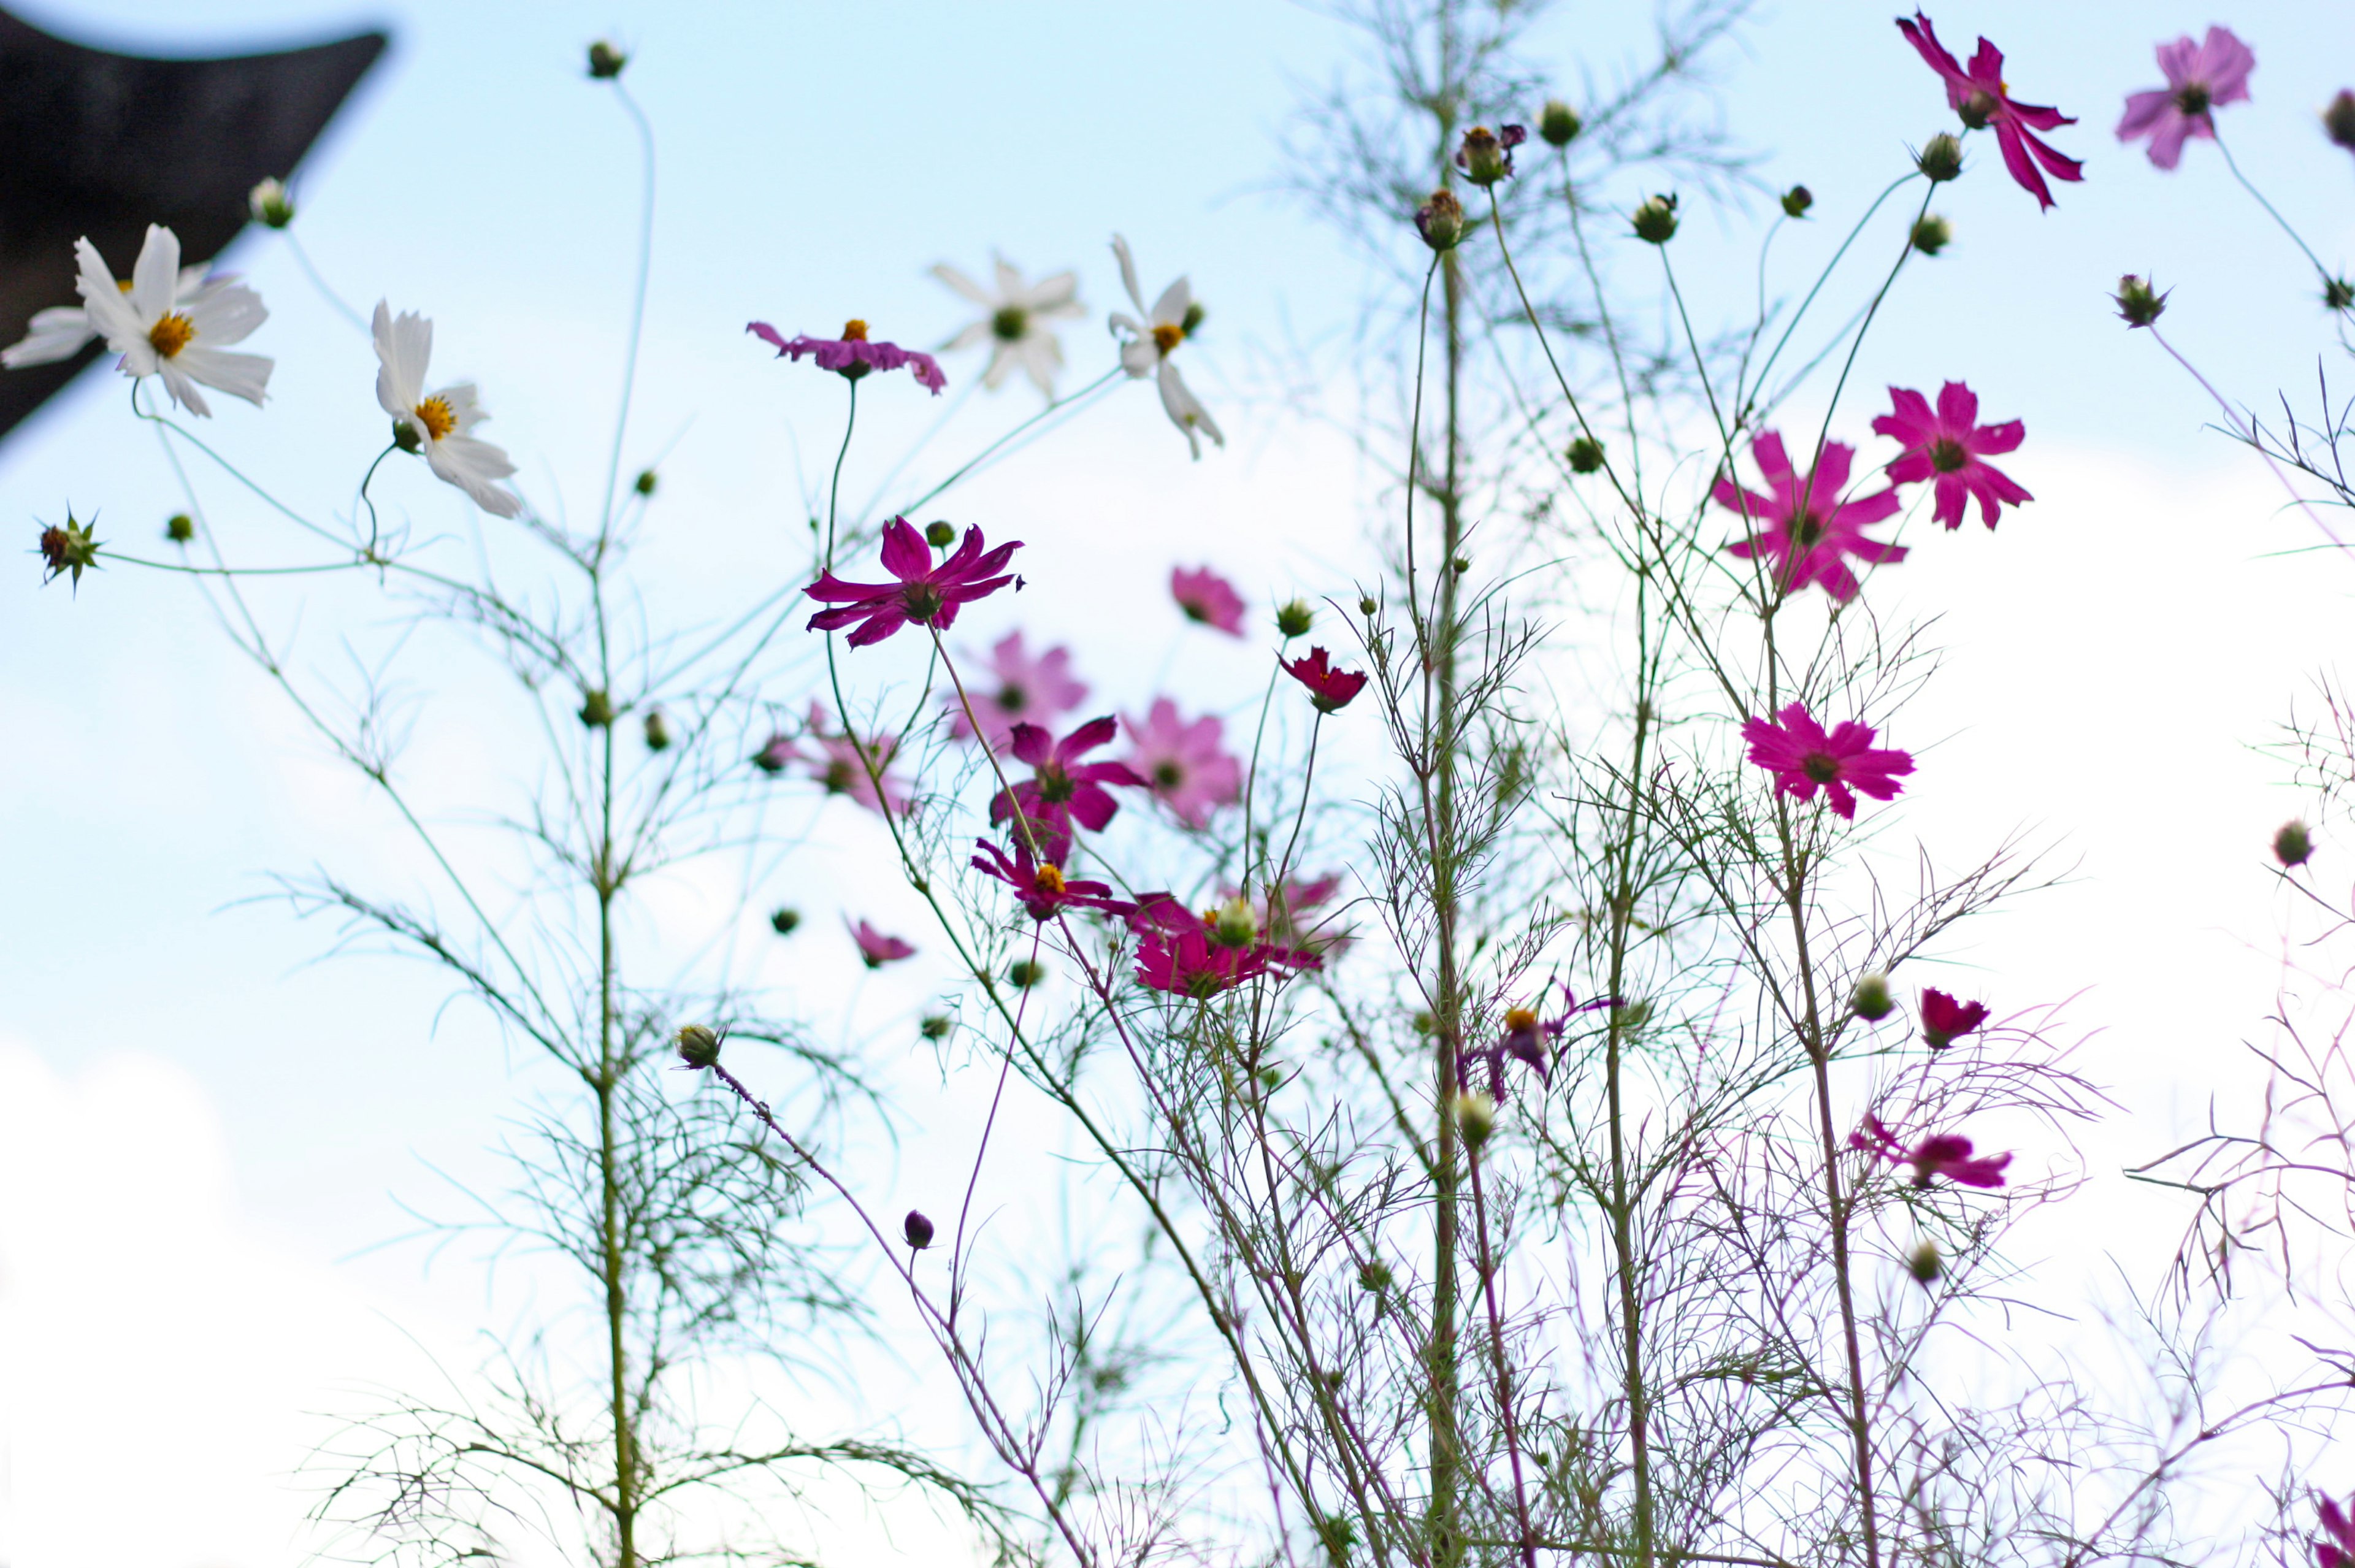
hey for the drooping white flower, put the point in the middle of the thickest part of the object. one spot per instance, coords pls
(1152, 340)
(437, 424)
(58, 332)
(1015, 327)
(163, 327)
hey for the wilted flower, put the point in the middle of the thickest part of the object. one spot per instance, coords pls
(2201, 78)
(2293, 845)
(1804, 758)
(875, 949)
(1182, 762)
(1062, 789)
(852, 354)
(68, 547)
(1486, 156)
(927, 594)
(272, 205)
(916, 1229)
(1208, 598)
(1329, 689)
(1440, 220)
(1807, 526)
(1949, 449)
(1015, 326)
(162, 325)
(1030, 688)
(1943, 1020)
(438, 423)
(1044, 890)
(1941, 1153)
(1981, 99)
(2139, 304)
(1151, 341)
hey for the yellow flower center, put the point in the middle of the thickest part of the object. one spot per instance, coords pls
(123, 284)
(435, 414)
(1518, 1019)
(1167, 338)
(171, 334)
(854, 331)
(1049, 878)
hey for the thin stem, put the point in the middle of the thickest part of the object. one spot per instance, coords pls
(302, 259)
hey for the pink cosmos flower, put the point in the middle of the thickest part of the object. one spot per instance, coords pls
(1206, 597)
(1183, 763)
(1941, 1153)
(841, 764)
(875, 949)
(1062, 789)
(1980, 97)
(1807, 535)
(1330, 690)
(1044, 890)
(927, 594)
(1943, 1018)
(1803, 759)
(2201, 78)
(1527, 1040)
(2339, 1552)
(775, 753)
(1192, 963)
(1949, 449)
(1030, 688)
(852, 356)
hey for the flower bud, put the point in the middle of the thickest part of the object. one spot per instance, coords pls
(1191, 321)
(1925, 1263)
(1871, 1000)
(645, 483)
(1486, 156)
(1294, 619)
(2139, 304)
(697, 1046)
(1366, 606)
(1558, 123)
(934, 1027)
(917, 1230)
(1586, 454)
(1655, 220)
(270, 205)
(1440, 220)
(1462, 564)
(940, 534)
(1476, 1117)
(1796, 200)
(1426, 1022)
(69, 548)
(179, 528)
(605, 61)
(2337, 294)
(1930, 234)
(596, 710)
(1234, 924)
(2339, 121)
(1026, 972)
(2293, 845)
(785, 921)
(657, 731)
(1939, 159)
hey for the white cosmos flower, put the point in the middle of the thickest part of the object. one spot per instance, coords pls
(58, 332)
(1151, 342)
(1015, 327)
(437, 424)
(162, 327)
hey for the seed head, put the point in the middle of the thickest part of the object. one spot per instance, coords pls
(1796, 200)
(1440, 220)
(1930, 234)
(1871, 1000)
(2138, 304)
(1558, 123)
(917, 1230)
(1941, 158)
(1294, 619)
(2293, 845)
(69, 548)
(1655, 220)
(1586, 454)
(699, 1047)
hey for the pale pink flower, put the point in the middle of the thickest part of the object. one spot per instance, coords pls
(875, 949)
(1206, 597)
(1024, 688)
(2201, 78)
(841, 766)
(1182, 762)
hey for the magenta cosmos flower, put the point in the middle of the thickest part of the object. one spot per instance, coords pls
(1804, 759)
(1183, 763)
(1192, 963)
(1029, 689)
(1979, 97)
(2339, 1549)
(851, 355)
(1040, 884)
(1949, 448)
(1944, 1019)
(875, 949)
(927, 594)
(1206, 597)
(1062, 789)
(1330, 690)
(1807, 536)
(1941, 1153)
(2201, 78)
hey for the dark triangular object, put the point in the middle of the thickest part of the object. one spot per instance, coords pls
(104, 145)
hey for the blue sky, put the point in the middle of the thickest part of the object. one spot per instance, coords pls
(816, 160)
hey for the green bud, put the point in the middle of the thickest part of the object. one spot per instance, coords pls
(2337, 294)
(2293, 845)
(940, 534)
(1294, 619)
(179, 528)
(270, 205)
(1941, 158)
(1191, 321)
(934, 1028)
(657, 731)
(1558, 123)
(1236, 925)
(1462, 563)
(916, 1229)
(1796, 200)
(1366, 606)
(1484, 157)
(2138, 304)
(596, 710)
(1871, 1000)
(785, 921)
(1476, 1117)
(645, 483)
(605, 61)
(697, 1046)
(1426, 1023)
(70, 548)
(1655, 220)
(1925, 1263)
(1026, 972)
(1586, 454)
(1930, 234)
